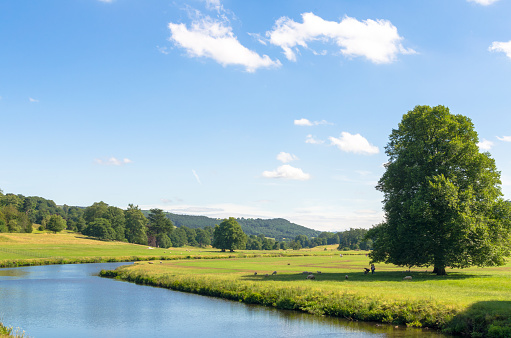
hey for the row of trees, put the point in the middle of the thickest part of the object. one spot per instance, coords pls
(17, 213)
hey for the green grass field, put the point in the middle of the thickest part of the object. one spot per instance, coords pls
(475, 301)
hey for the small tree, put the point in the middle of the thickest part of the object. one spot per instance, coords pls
(203, 237)
(229, 235)
(100, 228)
(159, 224)
(56, 223)
(136, 223)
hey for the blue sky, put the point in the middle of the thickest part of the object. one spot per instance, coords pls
(246, 108)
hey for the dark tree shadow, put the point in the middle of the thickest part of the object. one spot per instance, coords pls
(391, 276)
(483, 319)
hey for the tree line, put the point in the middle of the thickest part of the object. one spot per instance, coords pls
(154, 227)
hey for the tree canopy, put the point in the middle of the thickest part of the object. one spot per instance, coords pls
(56, 223)
(442, 197)
(229, 235)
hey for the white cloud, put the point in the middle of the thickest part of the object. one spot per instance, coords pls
(307, 123)
(196, 176)
(214, 39)
(287, 172)
(215, 5)
(483, 2)
(286, 157)
(378, 40)
(303, 122)
(504, 47)
(310, 139)
(485, 144)
(354, 144)
(113, 161)
(505, 138)
(32, 100)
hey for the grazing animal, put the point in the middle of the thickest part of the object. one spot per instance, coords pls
(255, 273)
(274, 273)
(266, 275)
(151, 262)
(311, 276)
(366, 271)
(408, 277)
(346, 277)
(305, 272)
(319, 272)
(161, 262)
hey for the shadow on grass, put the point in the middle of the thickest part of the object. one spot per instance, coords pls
(483, 319)
(390, 276)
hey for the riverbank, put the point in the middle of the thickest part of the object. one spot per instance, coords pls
(472, 302)
(9, 332)
(465, 301)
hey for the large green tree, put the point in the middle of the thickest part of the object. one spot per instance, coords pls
(229, 236)
(442, 197)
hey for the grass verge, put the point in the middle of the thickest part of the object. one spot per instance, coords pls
(472, 302)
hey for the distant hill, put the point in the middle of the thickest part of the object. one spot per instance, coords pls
(278, 228)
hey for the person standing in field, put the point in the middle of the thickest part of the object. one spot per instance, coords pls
(372, 268)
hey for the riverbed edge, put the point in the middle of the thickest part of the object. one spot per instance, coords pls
(475, 322)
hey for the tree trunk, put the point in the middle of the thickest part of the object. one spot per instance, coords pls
(440, 270)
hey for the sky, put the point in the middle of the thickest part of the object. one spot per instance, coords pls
(253, 108)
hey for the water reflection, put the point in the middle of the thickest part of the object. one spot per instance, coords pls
(69, 300)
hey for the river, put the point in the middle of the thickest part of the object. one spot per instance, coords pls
(72, 301)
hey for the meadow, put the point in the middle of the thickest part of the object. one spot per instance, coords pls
(473, 302)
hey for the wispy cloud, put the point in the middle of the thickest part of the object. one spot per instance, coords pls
(113, 161)
(483, 2)
(163, 50)
(376, 40)
(215, 5)
(307, 123)
(287, 172)
(196, 176)
(485, 144)
(505, 138)
(310, 139)
(214, 39)
(504, 47)
(32, 100)
(354, 144)
(286, 157)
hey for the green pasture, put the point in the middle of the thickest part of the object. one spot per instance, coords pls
(474, 301)
(458, 289)
(46, 247)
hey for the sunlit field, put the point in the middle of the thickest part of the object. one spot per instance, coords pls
(455, 302)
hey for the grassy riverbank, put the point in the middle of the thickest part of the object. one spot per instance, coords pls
(9, 332)
(470, 302)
